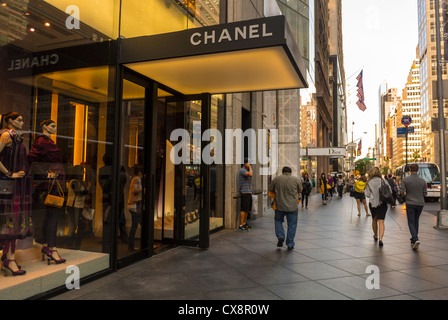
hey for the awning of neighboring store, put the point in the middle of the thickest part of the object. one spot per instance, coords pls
(253, 55)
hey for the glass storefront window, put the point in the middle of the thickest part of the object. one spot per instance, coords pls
(131, 203)
(150, 17)
(60, 209)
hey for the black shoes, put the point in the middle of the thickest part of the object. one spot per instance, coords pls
(280, 243)
(291, 248)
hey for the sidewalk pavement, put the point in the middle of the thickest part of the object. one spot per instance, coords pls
(334, 247)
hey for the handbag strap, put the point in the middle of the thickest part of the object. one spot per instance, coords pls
(51, 185)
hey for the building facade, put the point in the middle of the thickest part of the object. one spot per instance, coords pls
(428, 76)
(337, 82)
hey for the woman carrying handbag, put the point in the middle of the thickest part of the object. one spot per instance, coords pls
(378, 208)
(45, 158)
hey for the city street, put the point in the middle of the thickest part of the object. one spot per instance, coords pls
(334, 249)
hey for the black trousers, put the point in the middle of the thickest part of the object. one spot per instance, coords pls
(50, 225)
(305, 197)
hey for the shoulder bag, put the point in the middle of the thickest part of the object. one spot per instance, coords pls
(52, 200)
(8, 185)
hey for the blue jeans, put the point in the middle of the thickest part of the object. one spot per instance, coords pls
(291, 218)
(413, 213)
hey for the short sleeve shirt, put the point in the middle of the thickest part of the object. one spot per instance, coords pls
(245, 182)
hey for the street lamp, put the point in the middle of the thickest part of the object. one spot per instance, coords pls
(442, 214)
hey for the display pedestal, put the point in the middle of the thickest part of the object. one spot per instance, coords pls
(41, 278)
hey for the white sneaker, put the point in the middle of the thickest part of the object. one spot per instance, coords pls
(416, 245)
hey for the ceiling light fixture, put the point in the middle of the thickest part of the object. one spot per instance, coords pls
(32, 29)
(47, 24)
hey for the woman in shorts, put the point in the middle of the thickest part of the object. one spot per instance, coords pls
(378, 209)
(360, 197)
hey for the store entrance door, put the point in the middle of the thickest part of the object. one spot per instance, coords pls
(184, 219)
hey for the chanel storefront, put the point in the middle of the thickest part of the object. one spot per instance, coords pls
(91, 97)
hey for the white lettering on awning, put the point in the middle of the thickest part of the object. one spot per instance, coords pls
(254, 31)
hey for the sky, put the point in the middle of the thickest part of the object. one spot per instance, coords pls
(381, 38)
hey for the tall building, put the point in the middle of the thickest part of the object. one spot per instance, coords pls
(411, 107)
(337, 82)
(428, 76)
(322, 79)
(388, 107)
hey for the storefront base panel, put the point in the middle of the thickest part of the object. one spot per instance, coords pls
(41, 278)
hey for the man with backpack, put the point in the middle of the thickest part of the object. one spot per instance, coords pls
(414, 189)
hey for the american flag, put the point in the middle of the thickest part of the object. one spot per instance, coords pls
(360, 103)
(360, 145)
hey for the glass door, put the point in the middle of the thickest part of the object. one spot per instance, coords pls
(132, 207)
(186, 199)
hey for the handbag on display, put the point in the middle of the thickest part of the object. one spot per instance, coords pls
(88, 213)
(7, 188)
(53, 200)
(7, 184)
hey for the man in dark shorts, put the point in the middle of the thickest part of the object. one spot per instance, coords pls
(245, 177)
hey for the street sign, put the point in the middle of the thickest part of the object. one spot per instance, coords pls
(319, 152)
(369, 159)
(401, 132)
(406, 121)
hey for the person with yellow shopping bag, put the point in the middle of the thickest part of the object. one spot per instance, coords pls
(324, 188)
(286, 189)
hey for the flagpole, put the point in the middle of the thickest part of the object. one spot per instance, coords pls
(356, 72)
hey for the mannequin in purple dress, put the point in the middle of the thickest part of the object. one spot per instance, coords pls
(46, 163)
(15, 213)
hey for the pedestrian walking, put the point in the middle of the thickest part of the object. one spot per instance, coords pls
(324, 188)
(413, 188)
(377, 207)
(393, 186)
(331, 184)
(340, 184)
(287, 188)
(306, 189)
(245, 182)
(360, 197)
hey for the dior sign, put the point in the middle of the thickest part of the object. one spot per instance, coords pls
(253, 31)
(33, 62)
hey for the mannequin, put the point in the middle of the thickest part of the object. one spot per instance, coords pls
(15, 217)
(46, 160)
